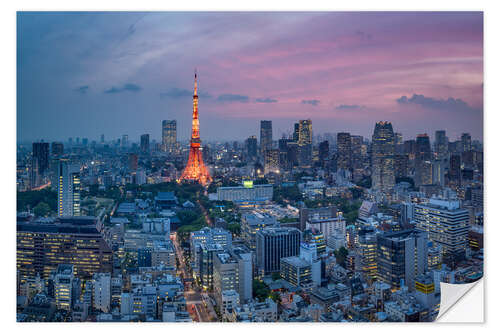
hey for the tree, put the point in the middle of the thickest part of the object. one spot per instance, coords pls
(42, 209)
(260, 290)
(275, 276)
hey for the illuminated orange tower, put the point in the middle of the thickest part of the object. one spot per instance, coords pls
(195, 168)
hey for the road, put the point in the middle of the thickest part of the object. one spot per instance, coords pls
(204, 211)
(200, 312)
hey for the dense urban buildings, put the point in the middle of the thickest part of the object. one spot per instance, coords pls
(363, 201)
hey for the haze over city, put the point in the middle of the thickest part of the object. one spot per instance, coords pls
(83, 74)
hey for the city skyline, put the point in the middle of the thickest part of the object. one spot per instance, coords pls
(284, 66)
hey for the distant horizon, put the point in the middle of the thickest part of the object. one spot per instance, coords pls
(82, 74)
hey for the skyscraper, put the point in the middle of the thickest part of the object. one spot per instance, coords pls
(57, 149)
(401, 257)
(466, 142)
(324, 152)
(344, 151)
(195, 168)
(145, 143)
(169, 135)
(271, 161)
(305, 143)
(274, 244)
(41, 155)
(441, 144)
(266, 135)
(423, 158)
(447, 225)
(383, 157)
(68, 189)
(251, 145)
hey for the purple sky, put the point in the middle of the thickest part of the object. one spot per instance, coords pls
(83, 74)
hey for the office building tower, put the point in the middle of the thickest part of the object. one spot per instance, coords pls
(57, 149)
(410, 148)
(293, 154)
(466, 142)
(274, 244)
(102, 138)
(233, 271)
(357, 152)
(68, 189)
(438, 170)
(441, 145)
(401, 166)
(344, 151)
(455, 170)
(366, 251)
(251, 146)
(423, 158)
(169, 135)
(296, 130)
(307, 215)
(206, 256)
(145, 143)
(398, 143)
(85, 142)
(41, 156)
(251, 223)
(296, 271)
(67, 240)
(266, 135)
(447, 225)
(305, 143)
(271, 161)
(383, 178)
(248, 193)
(401, 257)
(63, 286)
(101, 295)
(324, 153)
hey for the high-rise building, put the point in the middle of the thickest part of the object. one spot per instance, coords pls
(41, 156)
(344, 151)
(169, 135)
(266, 135)
(357, 152)
(274, 244)
(63, 286)
(324, 152)
(398, 143)
(57, 149)
(367, 252)
(466, 142)
(145, 143)
(441, 145)
(68, 189)
(296, 130)
(195, 169)
(401, 166)
(401, 257)
(233, 271)
(423, 158)
(251, 146)
(78, 241)
(447, 225)
(383, 157)
(305, 143)
(101, 295)
(455, 170)
(271, 161)
(102, 138)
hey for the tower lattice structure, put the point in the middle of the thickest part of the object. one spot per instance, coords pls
(195, 168)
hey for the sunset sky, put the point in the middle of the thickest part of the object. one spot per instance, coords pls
(84, 74)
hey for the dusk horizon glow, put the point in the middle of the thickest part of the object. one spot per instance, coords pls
(85, 74)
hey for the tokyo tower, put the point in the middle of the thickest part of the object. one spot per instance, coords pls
(195, 168)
